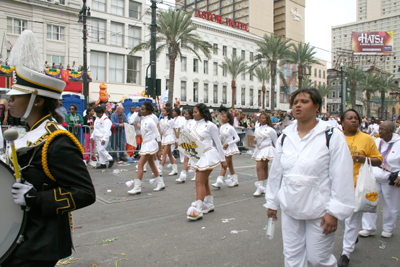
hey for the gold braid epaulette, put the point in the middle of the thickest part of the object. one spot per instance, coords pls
(46, 147)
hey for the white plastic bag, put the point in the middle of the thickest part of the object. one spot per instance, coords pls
(366, 194)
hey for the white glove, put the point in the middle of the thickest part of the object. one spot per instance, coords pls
(24, 194)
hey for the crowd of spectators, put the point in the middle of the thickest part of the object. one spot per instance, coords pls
(60, 66)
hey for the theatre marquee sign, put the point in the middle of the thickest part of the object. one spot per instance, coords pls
(218, 19)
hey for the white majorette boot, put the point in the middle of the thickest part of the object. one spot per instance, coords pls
(208, 204)
(182, 177)
(233, 181)
(218, 182)
(157, 162)
(160, 184)
(174, 170)
(160, 168)
(136, 188)
(195, 212)
(260, 188)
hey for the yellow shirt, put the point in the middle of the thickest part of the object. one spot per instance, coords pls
(362, 144)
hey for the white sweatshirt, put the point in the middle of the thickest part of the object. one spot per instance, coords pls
(393, 159)
(102, 128)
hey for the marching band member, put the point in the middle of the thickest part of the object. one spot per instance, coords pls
(229, 138)
(188, 113)
(150, 146)
(206, 132)
(101, 134)
(265, 137)
(179, 124)
(52, 189)
(168, 139)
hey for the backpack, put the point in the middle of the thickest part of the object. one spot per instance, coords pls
(328, 135)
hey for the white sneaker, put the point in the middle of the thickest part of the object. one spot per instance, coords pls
(386, 234)
(366, 233)
(218, 182)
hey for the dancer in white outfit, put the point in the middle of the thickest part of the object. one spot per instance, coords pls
(265, 137)
(229, 138)
(190, 122)
(150, 146)
(101, 134)
(179, 123)
(207, 132)
(312, 182)
(168, 139)
(388, 191)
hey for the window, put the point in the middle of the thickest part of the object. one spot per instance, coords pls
(333, 94)
(319, 72)
(267, 100)
(117, 33)
(98, 31)
(243, 96)
(167, 62)
(16, 25)
(243, 54)
(251, 97)
(52, 58)
(224, 72)
(116, 68)
(98, 65)
(215, 49)
(166, 84)
(55, 32)
(195, 65)
(215, 93)
(315, 72)
(215, 68)
(234, 52)
(323, 74)
(251, 57)
(183, 90)
(224, 94)
(183, 63)
(205, 93)
(224, 51)
(234, 97)
(134, 10)
(117, 7)
(133, 70)
(259, 98)
(99, 5)
(205, 66)
(133, 36)
(195, 92)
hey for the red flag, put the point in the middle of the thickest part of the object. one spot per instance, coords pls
(65, 75)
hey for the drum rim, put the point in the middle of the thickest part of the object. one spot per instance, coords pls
(21, 230)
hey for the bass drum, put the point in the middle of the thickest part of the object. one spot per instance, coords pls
(12, 218)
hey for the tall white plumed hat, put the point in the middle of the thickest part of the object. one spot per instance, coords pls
(27, 79)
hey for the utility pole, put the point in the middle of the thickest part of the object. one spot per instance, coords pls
(153, 75)
(343, 104)
(83, 15)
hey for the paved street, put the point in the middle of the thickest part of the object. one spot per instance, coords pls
(151, 229)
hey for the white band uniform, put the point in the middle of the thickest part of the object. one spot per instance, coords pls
(167, 131)
(265, 137)
(150, 136)
(229, 136)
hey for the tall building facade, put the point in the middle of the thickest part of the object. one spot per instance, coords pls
(375, 9)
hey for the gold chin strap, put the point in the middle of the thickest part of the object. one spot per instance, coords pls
(30, 105)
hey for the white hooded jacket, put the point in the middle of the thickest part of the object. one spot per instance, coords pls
(308, 179)
(102, 128)
(393, 159)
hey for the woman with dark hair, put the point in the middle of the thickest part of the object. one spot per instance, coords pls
(168, 138)
(229, 138)
(206, 132)
(74, 120)
(265, 137)
(179, 124)
(89, 120)
(311, 181)
(362, 146)
(150, 146)
(188, 114)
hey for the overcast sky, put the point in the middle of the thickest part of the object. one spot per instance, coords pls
(320, 16)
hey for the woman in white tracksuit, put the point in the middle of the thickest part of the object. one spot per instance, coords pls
(389, 193)
(311, 180)
(229, 138)
(101, 134)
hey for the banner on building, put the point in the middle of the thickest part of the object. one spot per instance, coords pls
(372, 43)
(190, 146)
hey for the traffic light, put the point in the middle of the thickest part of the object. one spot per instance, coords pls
(151, 90)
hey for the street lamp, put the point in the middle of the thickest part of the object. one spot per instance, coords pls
(83, 15)
(343, 100)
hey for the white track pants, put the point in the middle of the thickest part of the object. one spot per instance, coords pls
(390, 197)
(351, 228)
(103, 154)
(304, 241)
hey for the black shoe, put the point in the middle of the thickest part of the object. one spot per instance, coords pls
(344, 261)
(111, 163)
(101, 166)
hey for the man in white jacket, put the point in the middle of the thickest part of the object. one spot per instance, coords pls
(101, 134)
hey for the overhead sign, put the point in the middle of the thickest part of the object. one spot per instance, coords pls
(372, 43)
(334, 100)
(218, 19)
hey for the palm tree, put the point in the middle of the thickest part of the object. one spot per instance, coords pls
(234, 66)
(307, 83)
(272, 49)
(303, 56)
(354, 77)
(385, 84)
(324, 89)
(369, 86)
(175, 31)
(263, 75)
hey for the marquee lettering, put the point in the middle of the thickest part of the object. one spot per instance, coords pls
(218, 19)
